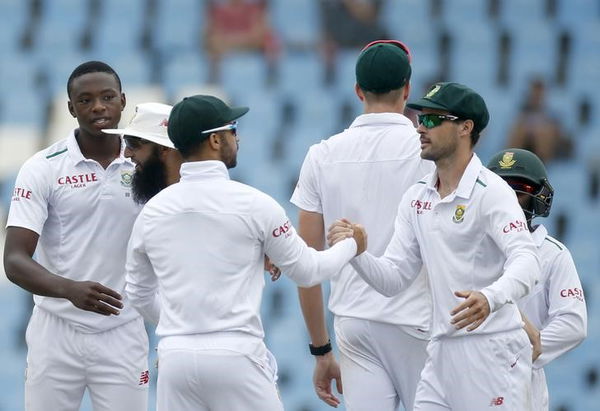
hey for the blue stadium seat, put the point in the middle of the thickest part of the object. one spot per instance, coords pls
(61, 26)
(572, 13)
(243, 70)
(399, 18)
(12, 26)
(299, 71)
(119, 31)
(474, 54)
(134, 68)
(521, 12)
(567, 179)
(534, 51)
(296, 21)
(425, 66)
(178, 27)
(457, 12)
(184, 68)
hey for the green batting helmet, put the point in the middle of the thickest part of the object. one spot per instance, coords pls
(526, 174)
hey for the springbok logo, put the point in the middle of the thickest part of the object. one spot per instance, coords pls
(459, 214)
(126, 178)
(507, 160)
(433, 91)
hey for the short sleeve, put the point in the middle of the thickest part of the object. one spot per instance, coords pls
(306, 194)
(29, 202)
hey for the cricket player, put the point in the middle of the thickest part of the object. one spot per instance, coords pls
(554, 312)
(465, 224)
(147, 144)
(72, 206)
(195, 262)
(382, 341)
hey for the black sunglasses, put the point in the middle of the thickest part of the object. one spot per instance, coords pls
(134, 143)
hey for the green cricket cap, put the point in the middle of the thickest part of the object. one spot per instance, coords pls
(382, 67)
(457, 99)
(195, 114)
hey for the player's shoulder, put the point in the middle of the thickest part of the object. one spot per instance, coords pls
(326, 146)
(420, 185)
(552, 244)
(245, 190)
(492, 186)
(48, 157)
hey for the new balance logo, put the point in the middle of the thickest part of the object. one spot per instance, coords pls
(144, 378)
(497, 401)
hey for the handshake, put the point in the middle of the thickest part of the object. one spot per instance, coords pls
(342, 229)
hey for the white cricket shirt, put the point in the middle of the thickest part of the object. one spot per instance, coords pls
(201, 244)
(361, 174)
(83, 214)
(476, 238)
(556, 305)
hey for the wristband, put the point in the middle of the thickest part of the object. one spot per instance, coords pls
(322, 350)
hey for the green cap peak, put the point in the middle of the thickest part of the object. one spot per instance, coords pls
(456, 99)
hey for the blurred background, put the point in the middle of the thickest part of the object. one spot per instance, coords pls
(535, 62)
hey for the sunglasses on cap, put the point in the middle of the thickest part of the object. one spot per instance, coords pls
(521, 186)
(431, 120)
(134, 143)
(227, 127)
(398, 43)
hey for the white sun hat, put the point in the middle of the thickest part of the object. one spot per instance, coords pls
(149, 122)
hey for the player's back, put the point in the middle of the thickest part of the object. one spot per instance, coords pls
(361, 174)
(204, 239)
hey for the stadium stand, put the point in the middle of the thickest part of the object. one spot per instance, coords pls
(156, 47)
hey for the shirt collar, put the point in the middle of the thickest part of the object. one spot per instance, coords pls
(380, 119)
(73, 147)
(75, 151)
(467, 181)
(539, 234)
(204, 170)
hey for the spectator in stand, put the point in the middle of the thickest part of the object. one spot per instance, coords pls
(348, 24)
(238, 25)
(537, 129)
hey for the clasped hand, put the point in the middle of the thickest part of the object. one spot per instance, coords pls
(342, 229)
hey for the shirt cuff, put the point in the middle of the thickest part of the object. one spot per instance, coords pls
(490, 299)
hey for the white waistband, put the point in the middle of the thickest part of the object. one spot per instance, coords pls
(238, 342)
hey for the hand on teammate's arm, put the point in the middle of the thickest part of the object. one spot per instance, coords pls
(534, 335)
(326, 370)
(472, 312)
(342, 229)
(272, 269)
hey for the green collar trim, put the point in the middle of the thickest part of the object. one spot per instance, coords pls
(57, 153)
(553, 242)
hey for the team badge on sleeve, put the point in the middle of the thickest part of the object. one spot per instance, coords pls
(459, 214)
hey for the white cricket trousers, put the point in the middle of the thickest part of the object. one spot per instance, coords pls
(62, 362)
(539, 391)
(213, 379)
(477, 372)
(380, 364)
